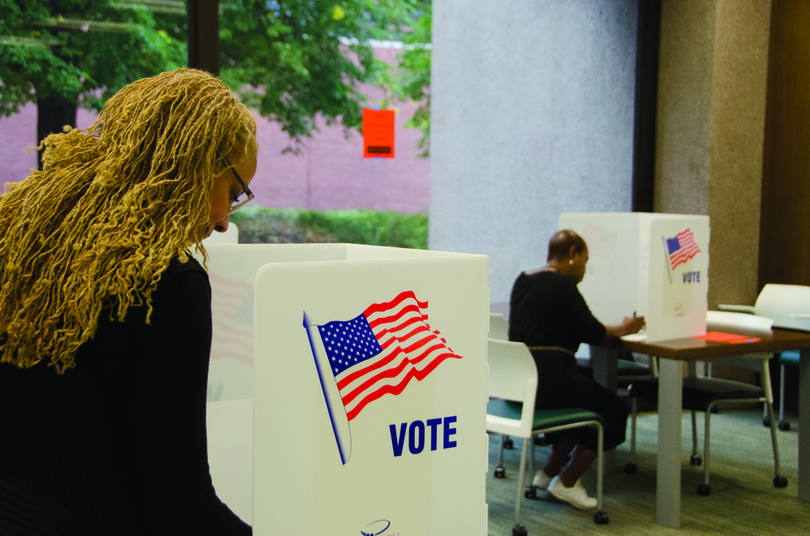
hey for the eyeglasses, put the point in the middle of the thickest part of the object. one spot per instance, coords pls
(236, 203)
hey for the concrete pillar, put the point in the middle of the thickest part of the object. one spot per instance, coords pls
(532, 116)
(711, 118)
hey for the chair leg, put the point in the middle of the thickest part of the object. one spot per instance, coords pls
(783, 424)
(779, 481)
(500, 472)
(695, 458)
(631, 468)
(782, 393)
(704, 488)
(633, 431)
(600, 517)
(523, 450)
(530, 492)
(599, 466)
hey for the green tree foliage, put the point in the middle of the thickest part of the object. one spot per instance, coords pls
(410, 79)
(371, 227)
(82, 50)
(294, 60)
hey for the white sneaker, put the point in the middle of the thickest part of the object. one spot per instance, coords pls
(576, 495)
(541, 480)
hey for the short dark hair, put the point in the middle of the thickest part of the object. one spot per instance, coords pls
(560, 244)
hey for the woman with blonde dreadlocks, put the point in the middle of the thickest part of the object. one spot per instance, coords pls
(105, 319)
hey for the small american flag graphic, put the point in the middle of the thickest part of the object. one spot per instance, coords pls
(681, 248)
(232, 336)
(377, 353)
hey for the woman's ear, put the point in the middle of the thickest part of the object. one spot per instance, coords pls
(572, 251)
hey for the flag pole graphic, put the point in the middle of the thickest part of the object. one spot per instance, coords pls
(331, 395)
(666, 259)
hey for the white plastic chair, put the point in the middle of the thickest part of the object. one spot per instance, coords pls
(511, 411)
(498, 327)
(722, 320)
(789, 306)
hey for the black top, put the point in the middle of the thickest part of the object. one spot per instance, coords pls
(117, 445)
(546, 309)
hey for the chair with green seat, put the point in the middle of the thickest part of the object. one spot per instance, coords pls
(703, 394)
(511, 411)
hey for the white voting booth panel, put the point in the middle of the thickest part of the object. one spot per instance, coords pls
(232, 272)
(408, 454)
(655, 265)
(230, 453)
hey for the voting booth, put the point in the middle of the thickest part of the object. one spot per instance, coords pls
(654, 265)
(359, 373)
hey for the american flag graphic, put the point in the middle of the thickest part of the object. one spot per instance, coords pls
(232, 336)
(601, 242)
(374, 354)
(681, 248)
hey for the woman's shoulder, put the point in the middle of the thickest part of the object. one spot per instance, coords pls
(178, 266)
(183, 282)
(531, 284)
(542, 277)
(183, 272)
(551, 282)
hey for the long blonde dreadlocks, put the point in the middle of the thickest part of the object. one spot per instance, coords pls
(95, 229)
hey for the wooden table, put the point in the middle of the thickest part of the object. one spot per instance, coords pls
(671, 354)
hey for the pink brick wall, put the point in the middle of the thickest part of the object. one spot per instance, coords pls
(329, 172)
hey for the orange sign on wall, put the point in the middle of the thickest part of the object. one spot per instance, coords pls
(378, 133)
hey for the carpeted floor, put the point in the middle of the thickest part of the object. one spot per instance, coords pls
(743, 499)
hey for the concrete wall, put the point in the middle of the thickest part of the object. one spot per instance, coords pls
(532, 116)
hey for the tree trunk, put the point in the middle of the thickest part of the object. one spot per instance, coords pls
(53, 113)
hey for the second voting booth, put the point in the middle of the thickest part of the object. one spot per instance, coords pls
(654, 265)
(348, 388)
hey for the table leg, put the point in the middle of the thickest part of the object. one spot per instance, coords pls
(605, 364)
(804, 426)
(668, 480)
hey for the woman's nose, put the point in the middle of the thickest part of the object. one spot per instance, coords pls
(222, 225)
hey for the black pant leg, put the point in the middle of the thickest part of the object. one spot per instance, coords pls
(594, 397)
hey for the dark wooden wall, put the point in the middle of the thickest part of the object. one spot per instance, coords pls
(784, 242)
(648, 40)
(784, 239)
